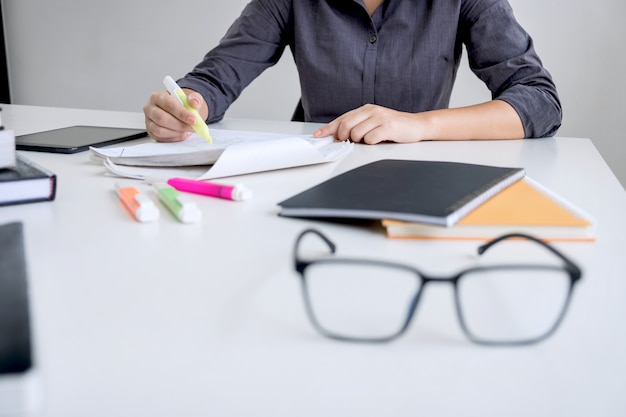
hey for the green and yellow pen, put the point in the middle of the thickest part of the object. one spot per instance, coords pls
(200, 126)
(182, 207)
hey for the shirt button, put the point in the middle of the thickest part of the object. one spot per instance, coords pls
(373, 39)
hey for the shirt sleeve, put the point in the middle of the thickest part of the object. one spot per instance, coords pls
(254, 42)
(502, 55)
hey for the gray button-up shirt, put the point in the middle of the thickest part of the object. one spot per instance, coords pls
(404, 57)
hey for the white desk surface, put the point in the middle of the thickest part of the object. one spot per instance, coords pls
(167, 319)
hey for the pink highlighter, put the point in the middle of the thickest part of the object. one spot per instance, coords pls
(229, 192)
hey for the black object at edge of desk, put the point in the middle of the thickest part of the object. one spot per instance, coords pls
(15, 332)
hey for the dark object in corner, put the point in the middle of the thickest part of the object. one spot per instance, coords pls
(15, 338)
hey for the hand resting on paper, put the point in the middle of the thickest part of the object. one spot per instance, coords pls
(167, 120)
(373, 124)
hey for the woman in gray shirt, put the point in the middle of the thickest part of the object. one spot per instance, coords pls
(377, 70)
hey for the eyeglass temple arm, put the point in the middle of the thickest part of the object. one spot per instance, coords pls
(299, 264)
(571, 266)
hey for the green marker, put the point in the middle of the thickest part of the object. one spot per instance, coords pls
(181, 206)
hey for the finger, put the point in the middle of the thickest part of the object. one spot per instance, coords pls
(347, 123)
(172, 106)
(349, 126)
(161, 123)
(195, 99)
(159, 119)
(330, 129)
(359, 130)
(364, 130)
(163, 134)
(374, 136)
(341, 126)
(356, 124)
(165, 110)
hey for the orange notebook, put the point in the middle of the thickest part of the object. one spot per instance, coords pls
(525, 207)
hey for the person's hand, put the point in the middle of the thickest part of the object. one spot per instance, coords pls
(373, 124)
(167, 120)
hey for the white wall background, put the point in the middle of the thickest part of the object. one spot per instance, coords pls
(111, 54)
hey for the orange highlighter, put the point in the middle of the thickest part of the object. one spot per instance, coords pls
(139, 205)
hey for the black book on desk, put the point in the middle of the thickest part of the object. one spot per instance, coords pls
(430, 192)
(19, 382)
(15, 338)
(26, 182)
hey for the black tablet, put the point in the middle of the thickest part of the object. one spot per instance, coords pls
(75, 138)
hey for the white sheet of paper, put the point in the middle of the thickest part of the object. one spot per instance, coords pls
(244, 152)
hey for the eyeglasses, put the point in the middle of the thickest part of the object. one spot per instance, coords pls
(366, 300)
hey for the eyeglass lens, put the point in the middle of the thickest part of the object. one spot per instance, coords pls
(370, 301)
(360, 300)
(501, 305)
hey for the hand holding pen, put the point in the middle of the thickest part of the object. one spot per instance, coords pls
(198, 124)
(168, 120)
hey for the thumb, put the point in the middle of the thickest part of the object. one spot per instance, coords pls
(195, 99)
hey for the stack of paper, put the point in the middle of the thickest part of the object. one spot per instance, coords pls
(232, 153)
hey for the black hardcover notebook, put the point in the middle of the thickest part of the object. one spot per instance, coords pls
(429, 192)
(27, 182)
(15, 338)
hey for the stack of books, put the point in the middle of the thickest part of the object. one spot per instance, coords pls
(22, 180)
(443, 200)
(524, 207)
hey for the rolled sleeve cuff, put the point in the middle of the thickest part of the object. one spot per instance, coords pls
(539, 111)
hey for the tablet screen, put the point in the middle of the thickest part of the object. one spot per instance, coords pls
(75, 138)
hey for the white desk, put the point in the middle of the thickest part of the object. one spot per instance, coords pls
(168, 319)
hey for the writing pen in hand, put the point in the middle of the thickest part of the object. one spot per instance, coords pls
(200, 127)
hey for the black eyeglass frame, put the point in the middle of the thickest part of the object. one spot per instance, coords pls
(572, 270)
